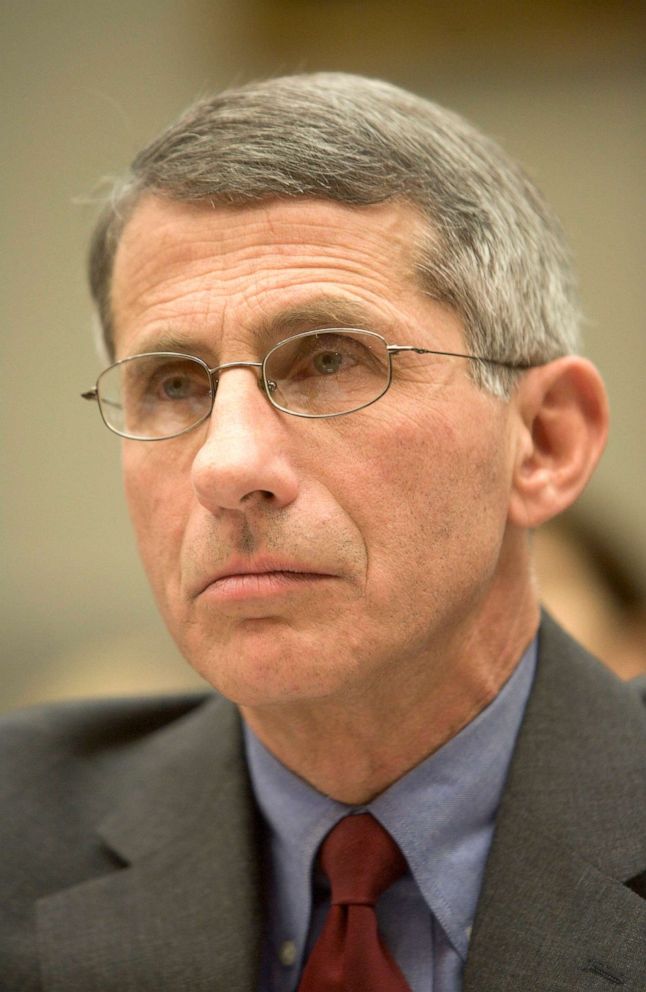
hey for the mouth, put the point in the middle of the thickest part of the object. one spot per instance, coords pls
(261, 580)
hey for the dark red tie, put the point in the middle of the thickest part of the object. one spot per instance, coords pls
(361, 860)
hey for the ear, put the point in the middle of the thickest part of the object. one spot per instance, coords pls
(562, 422)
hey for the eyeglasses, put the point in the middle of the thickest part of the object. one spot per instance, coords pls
(322, 373)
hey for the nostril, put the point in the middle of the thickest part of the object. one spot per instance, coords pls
(265, 494)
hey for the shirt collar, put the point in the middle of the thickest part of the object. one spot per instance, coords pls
(441, 813)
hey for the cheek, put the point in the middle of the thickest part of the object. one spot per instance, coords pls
(435, 501)
(158, 498)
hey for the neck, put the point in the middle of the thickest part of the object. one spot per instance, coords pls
(354, 747)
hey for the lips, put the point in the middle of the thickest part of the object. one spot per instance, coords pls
(261, 573)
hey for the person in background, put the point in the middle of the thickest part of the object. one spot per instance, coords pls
(342, 355)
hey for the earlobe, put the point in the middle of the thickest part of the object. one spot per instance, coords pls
(562, 422)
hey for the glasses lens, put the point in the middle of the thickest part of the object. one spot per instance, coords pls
(155, 396)
(328, 372)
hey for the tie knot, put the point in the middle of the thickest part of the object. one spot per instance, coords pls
(361, 860)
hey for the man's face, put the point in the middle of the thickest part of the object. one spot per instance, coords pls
(298, 559)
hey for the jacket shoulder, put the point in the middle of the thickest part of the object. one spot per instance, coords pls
(64, 770)
(581, 679)
(69, 757)
(41, 735)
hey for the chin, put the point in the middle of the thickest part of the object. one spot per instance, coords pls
(266, 680)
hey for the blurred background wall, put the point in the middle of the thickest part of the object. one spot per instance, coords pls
(561, 85)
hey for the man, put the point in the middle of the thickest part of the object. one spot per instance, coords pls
(341, 336)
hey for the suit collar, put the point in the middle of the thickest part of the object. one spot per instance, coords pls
(554, 912)
(183, 908)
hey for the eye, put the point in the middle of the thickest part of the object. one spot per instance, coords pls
(179, 386)
(168, 384)
(331, 355)
(328, 362)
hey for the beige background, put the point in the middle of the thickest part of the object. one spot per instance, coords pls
(562, 86)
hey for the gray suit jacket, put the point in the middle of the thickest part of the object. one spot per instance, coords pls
(129, 845)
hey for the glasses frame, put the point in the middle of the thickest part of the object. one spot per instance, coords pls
(268, 386)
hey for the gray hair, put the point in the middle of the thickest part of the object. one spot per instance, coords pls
(493, 249)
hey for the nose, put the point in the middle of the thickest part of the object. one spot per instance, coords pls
(244, 459)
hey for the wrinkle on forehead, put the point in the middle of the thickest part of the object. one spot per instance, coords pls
(180, 232)
(205, 256)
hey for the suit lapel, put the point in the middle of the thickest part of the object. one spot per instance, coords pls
(554, 914)
(182, 909)
(548, 921)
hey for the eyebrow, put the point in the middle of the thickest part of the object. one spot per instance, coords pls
(323, 311)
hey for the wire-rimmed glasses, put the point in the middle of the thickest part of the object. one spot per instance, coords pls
(328, 372)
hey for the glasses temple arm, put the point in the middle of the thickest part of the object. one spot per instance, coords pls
(395, 349)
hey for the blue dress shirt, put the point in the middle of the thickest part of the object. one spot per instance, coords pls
(441, 813)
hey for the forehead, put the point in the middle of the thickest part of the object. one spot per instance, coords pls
(234, 270)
